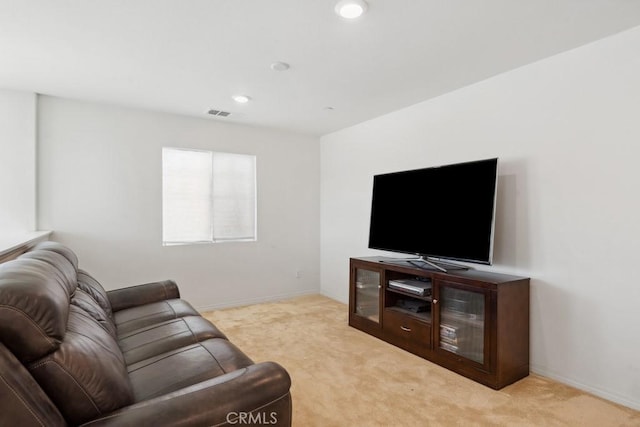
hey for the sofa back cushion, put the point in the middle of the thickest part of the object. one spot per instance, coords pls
(74, 358)
(86, 376)
(58, 248)
(92, 308)
(66, 261)
(87, 283)
(64, 270)
(34, 308)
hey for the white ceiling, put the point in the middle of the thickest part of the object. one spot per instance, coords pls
(189, 56)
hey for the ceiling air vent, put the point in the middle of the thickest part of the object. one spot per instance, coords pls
(218, 113)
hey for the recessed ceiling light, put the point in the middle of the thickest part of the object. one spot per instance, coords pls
(241, 99)
(351, 9)
(280, 66)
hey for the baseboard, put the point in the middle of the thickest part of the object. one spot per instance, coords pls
(251, 301)
(333, 296)
(621, 400)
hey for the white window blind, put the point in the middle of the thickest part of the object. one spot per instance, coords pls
(207, 196)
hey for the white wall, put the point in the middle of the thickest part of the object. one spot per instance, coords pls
(17, 162)
(100, 190)
(567, 132)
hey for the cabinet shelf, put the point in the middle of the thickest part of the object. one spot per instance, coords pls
(424, 316)
(409, 294)
(369, 291)
(474, 323)
(462, 318)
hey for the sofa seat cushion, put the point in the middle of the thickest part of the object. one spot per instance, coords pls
(185, 366)
(166, 336)
(133, 318)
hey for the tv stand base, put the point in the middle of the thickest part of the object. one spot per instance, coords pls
(427, 263)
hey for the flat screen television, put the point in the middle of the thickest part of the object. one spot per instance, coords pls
(444, 212)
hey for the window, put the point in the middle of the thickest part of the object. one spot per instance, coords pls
(207, 197)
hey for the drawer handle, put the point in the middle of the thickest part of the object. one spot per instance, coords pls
(404, 328)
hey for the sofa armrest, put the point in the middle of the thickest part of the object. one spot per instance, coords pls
(258, 394)
(22, 401)
(147, 293)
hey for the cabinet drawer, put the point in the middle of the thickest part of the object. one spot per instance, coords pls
(406, 331)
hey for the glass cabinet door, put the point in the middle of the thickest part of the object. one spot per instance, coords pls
(367, 294)
(462, 322)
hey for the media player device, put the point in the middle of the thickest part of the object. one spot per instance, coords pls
(417, 287)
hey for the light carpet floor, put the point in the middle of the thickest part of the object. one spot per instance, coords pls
(344, 377)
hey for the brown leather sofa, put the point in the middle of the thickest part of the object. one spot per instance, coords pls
(73, 354)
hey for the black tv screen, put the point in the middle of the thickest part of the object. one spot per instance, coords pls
(440, 212)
